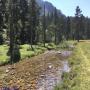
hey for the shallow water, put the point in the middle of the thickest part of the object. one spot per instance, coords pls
(52, 77)
(66, 53)
(66, 67)
(54, 70)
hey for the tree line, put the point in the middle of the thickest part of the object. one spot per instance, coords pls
(21, 23)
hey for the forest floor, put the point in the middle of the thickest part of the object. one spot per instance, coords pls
(35, 73)
(79, 76)
(40, 72)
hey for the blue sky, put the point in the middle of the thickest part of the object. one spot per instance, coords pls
(68, 6)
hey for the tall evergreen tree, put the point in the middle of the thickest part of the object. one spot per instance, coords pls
(33, 21)
(44, 27)
(13, 21)
(87, 28)
(23, 18)
(2, 13)
(82, 31)
(77, 20)
(55, 23)
(68, 31)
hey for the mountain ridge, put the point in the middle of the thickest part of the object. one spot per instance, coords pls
(49, 7)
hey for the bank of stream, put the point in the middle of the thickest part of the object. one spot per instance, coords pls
(42, 72)
(53, 76)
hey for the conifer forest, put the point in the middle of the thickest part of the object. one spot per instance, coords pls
(41, 48)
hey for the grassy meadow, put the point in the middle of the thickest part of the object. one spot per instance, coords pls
(27, 52)
(79, 76)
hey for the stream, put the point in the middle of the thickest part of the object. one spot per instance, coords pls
(49, 78)
(52, 76)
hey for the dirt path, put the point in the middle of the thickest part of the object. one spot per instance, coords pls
(38, 73)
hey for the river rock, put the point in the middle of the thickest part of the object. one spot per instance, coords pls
(59, 52)
(9, 67)
(42, 76)
(50, 67)
(7, 71)
(12, 73)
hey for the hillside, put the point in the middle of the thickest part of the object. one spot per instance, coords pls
(49, 8)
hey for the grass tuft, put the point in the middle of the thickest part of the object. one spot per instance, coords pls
(79, 77)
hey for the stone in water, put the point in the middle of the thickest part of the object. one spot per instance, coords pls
(7, 71)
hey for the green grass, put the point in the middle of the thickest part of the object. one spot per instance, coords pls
(25, 50)
(66, 45)
(3, 54)
(79, 76)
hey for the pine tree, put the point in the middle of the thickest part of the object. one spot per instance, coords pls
(2, 12)
(68, 32)
(55, 23)
(82, 30)
(23, 18)
(1, 31)
(44, 27)
(13, 21)
(33, 21)
(87, 26)
(77, 20)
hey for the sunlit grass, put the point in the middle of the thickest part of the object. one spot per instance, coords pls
(3, 54)
(79, 77)
(25, 50)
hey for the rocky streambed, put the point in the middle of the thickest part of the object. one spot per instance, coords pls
(42, 72)
(52, 76)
